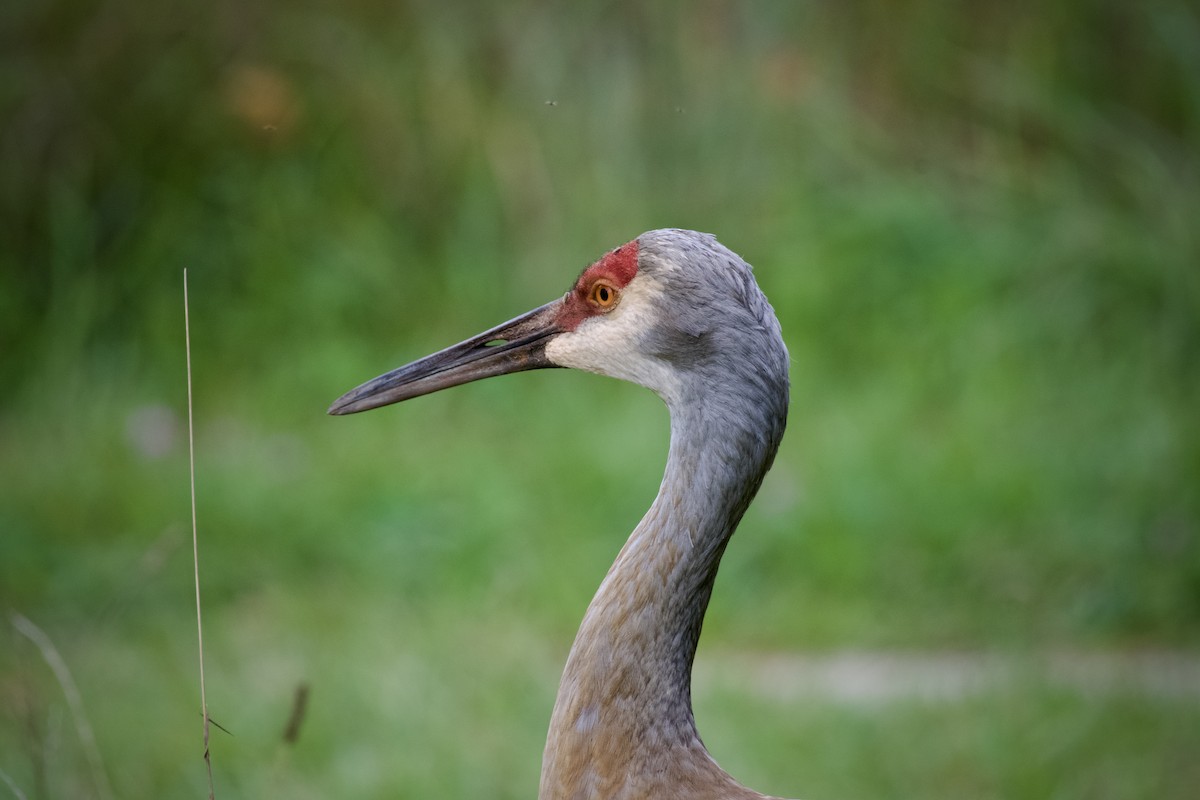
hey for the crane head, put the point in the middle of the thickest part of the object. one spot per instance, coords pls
(672, 310)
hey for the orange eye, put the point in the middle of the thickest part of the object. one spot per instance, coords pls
(602, 295)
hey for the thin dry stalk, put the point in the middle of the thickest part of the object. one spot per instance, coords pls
(187, 337)
(74, 700)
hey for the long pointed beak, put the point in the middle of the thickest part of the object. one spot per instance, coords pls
(515, 346)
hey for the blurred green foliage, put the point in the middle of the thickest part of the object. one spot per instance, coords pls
(977, 222)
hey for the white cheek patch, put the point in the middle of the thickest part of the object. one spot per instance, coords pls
(609, 344)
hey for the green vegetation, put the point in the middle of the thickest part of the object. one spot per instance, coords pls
(979, 224)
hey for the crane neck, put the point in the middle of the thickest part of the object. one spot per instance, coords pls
(623, 721)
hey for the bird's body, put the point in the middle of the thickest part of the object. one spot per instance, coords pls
(676, 312)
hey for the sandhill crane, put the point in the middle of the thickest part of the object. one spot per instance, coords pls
(676, 312)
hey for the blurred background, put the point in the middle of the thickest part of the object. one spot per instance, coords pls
(973, 572)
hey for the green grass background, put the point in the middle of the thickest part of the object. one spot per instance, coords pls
(980, 227)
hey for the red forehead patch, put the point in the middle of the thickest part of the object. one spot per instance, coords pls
(618, 267)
